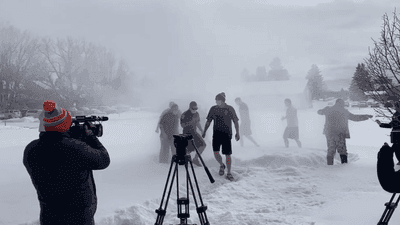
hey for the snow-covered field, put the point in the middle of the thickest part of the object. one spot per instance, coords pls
(275, 185)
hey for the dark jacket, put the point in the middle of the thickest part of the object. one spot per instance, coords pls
(170, 124)
(388, 178)
(336, 120)
(61, 171)
(395, 123)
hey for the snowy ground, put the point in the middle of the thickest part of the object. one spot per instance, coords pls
(275, 185)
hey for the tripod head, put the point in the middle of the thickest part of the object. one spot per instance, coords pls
(181, 142)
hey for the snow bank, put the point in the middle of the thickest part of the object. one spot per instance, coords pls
(275, 188)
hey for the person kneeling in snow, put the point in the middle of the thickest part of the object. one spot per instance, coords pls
(61, 167)
(336, 129)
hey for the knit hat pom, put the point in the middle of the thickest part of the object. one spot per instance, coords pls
(49, 105)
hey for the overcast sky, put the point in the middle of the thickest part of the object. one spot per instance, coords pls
(200, 38)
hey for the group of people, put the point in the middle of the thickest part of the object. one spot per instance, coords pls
(60, 164)
(223, 116)
(336, 128)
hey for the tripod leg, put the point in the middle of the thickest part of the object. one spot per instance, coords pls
(389, 210)
(202, 209)
(161, 212)
(392, 208)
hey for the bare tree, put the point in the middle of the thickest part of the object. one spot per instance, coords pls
(65, 59)
(383, 64)
(18, 51)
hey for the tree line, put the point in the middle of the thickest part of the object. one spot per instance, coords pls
(378, 78)
(68, 70)
(315, 84)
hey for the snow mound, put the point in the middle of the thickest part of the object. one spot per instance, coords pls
(281, 158)
(257, 196)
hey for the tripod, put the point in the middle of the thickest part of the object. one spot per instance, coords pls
(182, 158)
(390, 207)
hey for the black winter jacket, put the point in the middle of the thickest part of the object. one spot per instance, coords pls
(387, 176)
(61, 171)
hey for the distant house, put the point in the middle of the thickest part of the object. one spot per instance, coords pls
(265, 94)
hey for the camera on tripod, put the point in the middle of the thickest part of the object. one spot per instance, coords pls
(181, 142)
(183, 158)
(78, 123)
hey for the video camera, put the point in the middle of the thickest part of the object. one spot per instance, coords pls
(78, 123)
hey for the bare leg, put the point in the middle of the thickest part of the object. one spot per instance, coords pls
(286, 142)
(228, 162)
(218, 157)
(251, 139)
(298, 143)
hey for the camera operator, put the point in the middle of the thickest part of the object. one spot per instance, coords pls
(61, 167)
(388, 178)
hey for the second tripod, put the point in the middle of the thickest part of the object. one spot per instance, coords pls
(182, 158)
(390, 207)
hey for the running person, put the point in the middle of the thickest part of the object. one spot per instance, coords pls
(245, 129)
(223, 116)
(292, 129)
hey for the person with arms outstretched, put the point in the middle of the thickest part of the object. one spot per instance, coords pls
(336, 129)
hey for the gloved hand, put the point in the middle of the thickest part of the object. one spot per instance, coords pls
(81, 132)
(88, 128)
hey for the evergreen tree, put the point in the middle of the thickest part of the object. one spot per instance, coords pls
(277, 72)
(315, 83)
(360, 84)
